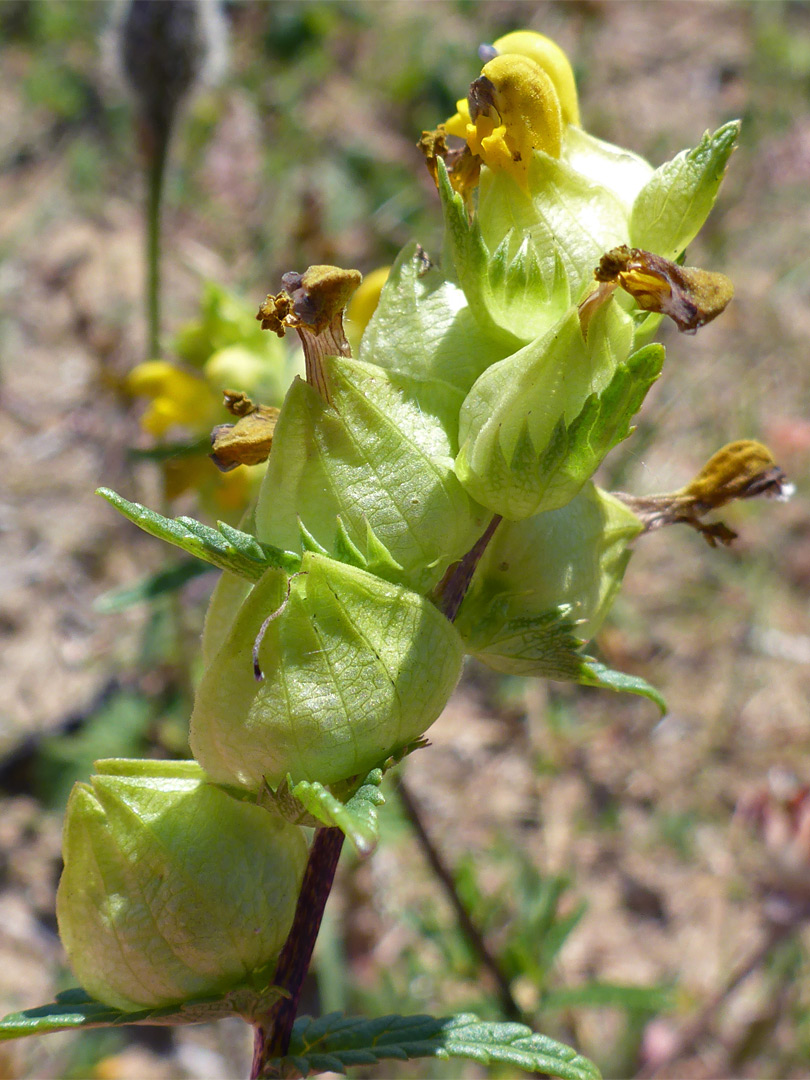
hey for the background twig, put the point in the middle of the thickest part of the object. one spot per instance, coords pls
(475, 939)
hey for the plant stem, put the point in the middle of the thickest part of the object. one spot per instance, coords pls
(452, 589)
(474, 937)
(273, 1032)
(155, 173)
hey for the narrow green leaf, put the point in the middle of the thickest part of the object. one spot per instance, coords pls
(150, 587)
(334, 1042)
(245, 543)
(595, 994)
(206, 543)
(596, 674)
(356, 817)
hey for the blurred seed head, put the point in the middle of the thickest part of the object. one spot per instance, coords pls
(163, 50)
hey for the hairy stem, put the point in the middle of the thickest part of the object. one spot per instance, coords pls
(475, 939)
(273, 1031)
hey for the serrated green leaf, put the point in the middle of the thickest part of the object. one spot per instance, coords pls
(535, 426)
(467, 253)
(545, 584)
(551, 243)
(150, 587)
(545, 645)
(234, 552)
(596, 674)
(603, 423)
(356, 817)
(674, 203)
(334, 1042)
(75, 1009)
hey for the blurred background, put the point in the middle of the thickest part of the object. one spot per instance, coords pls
(642, 885)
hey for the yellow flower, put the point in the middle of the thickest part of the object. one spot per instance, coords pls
(178, 398)
(363, 304)
(512, 110)
(550, 57)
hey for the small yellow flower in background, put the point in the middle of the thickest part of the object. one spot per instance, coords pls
(363, 304)
(178, 398)
(221, 350)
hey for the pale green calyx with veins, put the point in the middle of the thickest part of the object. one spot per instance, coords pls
(350, 668)
(172, 889)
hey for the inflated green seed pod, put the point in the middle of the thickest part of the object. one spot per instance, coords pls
(535, 426)
(379, 457)
(350, 668)
(172, 889)
(569, 561)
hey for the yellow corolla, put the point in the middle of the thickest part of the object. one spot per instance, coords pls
(178, 398)
(363, 304)
(548, 55)
(512, 110)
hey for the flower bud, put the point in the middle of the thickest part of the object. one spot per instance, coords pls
(322, 675)
(166, 47)
(172, 889)
(568, 562)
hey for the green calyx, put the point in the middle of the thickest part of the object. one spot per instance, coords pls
(545, 585)
(322, 676)
(371, 469)
(536, 425)
(172, 889)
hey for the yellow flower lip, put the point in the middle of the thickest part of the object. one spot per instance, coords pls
(548, 56)
(512, 110)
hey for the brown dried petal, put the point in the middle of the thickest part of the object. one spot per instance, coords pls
(689, 296)
(249, 440)
(312, 303)
(740, 470)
